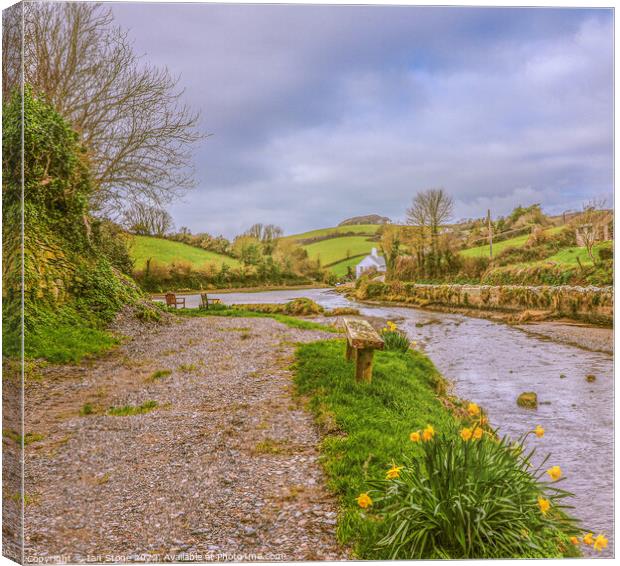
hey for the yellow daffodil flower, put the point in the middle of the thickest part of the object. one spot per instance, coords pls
(539, 431)
(544, 505)
(428, 433)
(391, 326)
(393, 472)
(473, 409)
(574, 540)
(477, 434)
(364, 500)
(415, 436)
(555, 473)
(588, 539)
(466, 434)
(600, 543)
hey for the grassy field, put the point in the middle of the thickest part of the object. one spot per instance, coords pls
(356, 228)
(340, 268)
(483, 251)
(166, 252)
(568, 256)
(337, 249)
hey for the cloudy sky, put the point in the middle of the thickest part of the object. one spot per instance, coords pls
(319, 113)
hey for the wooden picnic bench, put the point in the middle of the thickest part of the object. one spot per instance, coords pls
(172, 301)
(205, 301)
(362, 341)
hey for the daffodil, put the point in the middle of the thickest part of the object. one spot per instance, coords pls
(555, 473)
(473, 409)
(391, 326)
(428, 433)
(588, 539)
(364, 500)
(544, 505)
(415, 436)
(600, 542)
(466, 434)
(477, 434)
(574, 540)
(393, 472)
(539, 431)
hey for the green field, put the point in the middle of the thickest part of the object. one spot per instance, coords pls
(519, 241)
(340, 268)
(165, 252)
(568, 256)
(356, 228)
(339, 249)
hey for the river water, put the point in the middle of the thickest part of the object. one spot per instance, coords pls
(491, 363)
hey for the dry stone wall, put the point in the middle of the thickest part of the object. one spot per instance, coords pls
(585, 303)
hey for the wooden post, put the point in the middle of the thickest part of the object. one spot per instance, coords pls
(350, 353)
(490, 228)
(363, 365)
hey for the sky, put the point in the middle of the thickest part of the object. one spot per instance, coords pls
(321, 113)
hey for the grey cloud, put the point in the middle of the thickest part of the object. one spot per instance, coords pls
(320, 113)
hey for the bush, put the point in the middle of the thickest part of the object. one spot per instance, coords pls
(606, 254)
(471, 499)
(302, 307)
(395, 340)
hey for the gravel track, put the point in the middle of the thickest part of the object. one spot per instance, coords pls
(225, 468)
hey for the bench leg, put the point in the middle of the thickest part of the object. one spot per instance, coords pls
(350, 353)
(363, 366)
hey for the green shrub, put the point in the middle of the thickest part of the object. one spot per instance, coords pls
(471, 499)
(395, 340)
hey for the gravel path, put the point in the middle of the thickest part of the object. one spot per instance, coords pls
(225, 468)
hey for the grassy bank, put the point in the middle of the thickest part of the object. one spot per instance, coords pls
(165, 252)
(367, 429)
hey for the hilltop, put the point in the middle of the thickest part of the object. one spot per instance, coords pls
(368, 219)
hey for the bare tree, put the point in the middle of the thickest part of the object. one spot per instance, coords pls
(147, 220)
(589, 224)
(264, 232)
(429, 210)
(129, 114)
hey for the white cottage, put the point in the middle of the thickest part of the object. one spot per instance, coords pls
(372, 261)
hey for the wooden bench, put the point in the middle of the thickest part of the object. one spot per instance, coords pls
(362, 341)
(172, 301)
(205, 301)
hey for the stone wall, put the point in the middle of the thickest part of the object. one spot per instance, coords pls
(582, 303)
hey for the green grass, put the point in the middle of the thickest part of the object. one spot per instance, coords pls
(340, 268)
(367, 425)
(131, 410)
(159, 374)
(357, 228)
(165, 252)
(519, 241)
(568, 256)
(290, 321)
(65, 343)
(337, 249)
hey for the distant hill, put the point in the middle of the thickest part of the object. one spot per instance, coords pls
(369, 219)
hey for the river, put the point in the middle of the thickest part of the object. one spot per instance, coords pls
(491, 363)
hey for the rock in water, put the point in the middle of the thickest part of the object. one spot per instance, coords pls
(590, 378)
(528, 399)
